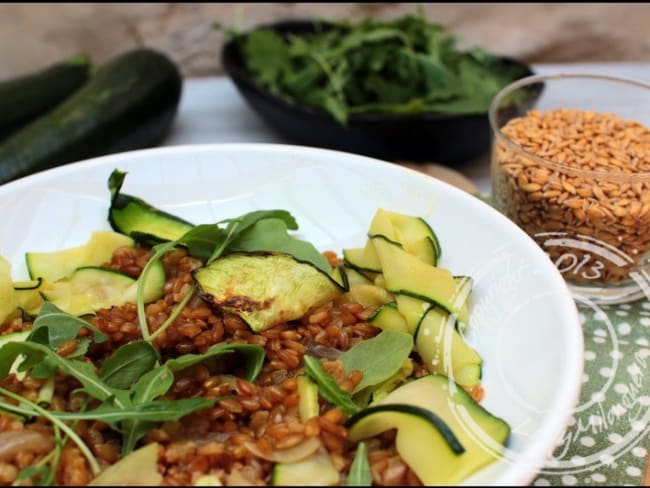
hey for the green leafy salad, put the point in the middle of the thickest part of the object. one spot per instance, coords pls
(228, 332)
(404, 66)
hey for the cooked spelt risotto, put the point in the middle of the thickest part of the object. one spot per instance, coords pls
(264, 412)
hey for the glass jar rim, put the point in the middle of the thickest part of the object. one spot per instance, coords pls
(529, 80)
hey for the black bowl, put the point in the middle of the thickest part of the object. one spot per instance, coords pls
(443, 138)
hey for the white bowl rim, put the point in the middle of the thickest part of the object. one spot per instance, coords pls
(551, 429)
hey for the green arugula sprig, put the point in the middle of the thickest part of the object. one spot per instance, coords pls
(29, 409)
(129, 382)
(402, 66)
(327, 386)
(360, 474)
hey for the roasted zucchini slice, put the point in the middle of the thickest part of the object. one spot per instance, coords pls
(265, 289)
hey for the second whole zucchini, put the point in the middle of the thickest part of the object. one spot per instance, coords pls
(130, 103)
(25, 98)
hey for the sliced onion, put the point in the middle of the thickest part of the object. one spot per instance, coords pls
(326, 352)
(14, 441)
(291, 455)
(211, 437)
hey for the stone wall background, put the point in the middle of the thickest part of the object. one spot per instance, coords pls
(33, 35)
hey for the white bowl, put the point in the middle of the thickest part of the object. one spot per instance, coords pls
(523, 320)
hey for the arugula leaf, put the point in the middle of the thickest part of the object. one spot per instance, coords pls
(153, 411)
(34, 353)
(53, 327)
(45, 369)
(252, 356)
(151, 385)
(127, 365)
(327, 386)
(251, 218)
(202, 240)
(42, 474)
(268, 54)
(271, 235)
(376, 66)
(208, 241)
(360, 474)
(236, 227)
(378, 358)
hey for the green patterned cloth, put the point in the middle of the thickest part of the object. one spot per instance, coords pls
(608, 440)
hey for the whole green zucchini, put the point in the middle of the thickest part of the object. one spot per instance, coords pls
(26, 97)
(129, 103)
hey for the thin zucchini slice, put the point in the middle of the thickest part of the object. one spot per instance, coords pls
(54, 265)
(482, 434)
(388, 317)
(412, 233)
(27, 284)
(16, 296)
(29, 300)
(138, 468)
(265, 289)
(134, 217)
(424, 440)
(355, 277)
(363, 259)
(87, 289)
(207, 480)
(412, 309)
(308, 403)
(92, 288)
(380, 391)
(315, 470)
(8, 303)
(366, 295)
(444, 351)
(341, 275)
(463, 312)
(406, 274)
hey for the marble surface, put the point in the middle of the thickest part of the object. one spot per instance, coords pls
(33, 35)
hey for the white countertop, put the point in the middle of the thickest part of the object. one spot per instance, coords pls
(212, 111)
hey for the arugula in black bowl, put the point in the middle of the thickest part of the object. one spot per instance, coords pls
(398, 89)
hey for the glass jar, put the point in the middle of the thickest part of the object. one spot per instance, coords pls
(574, 173)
